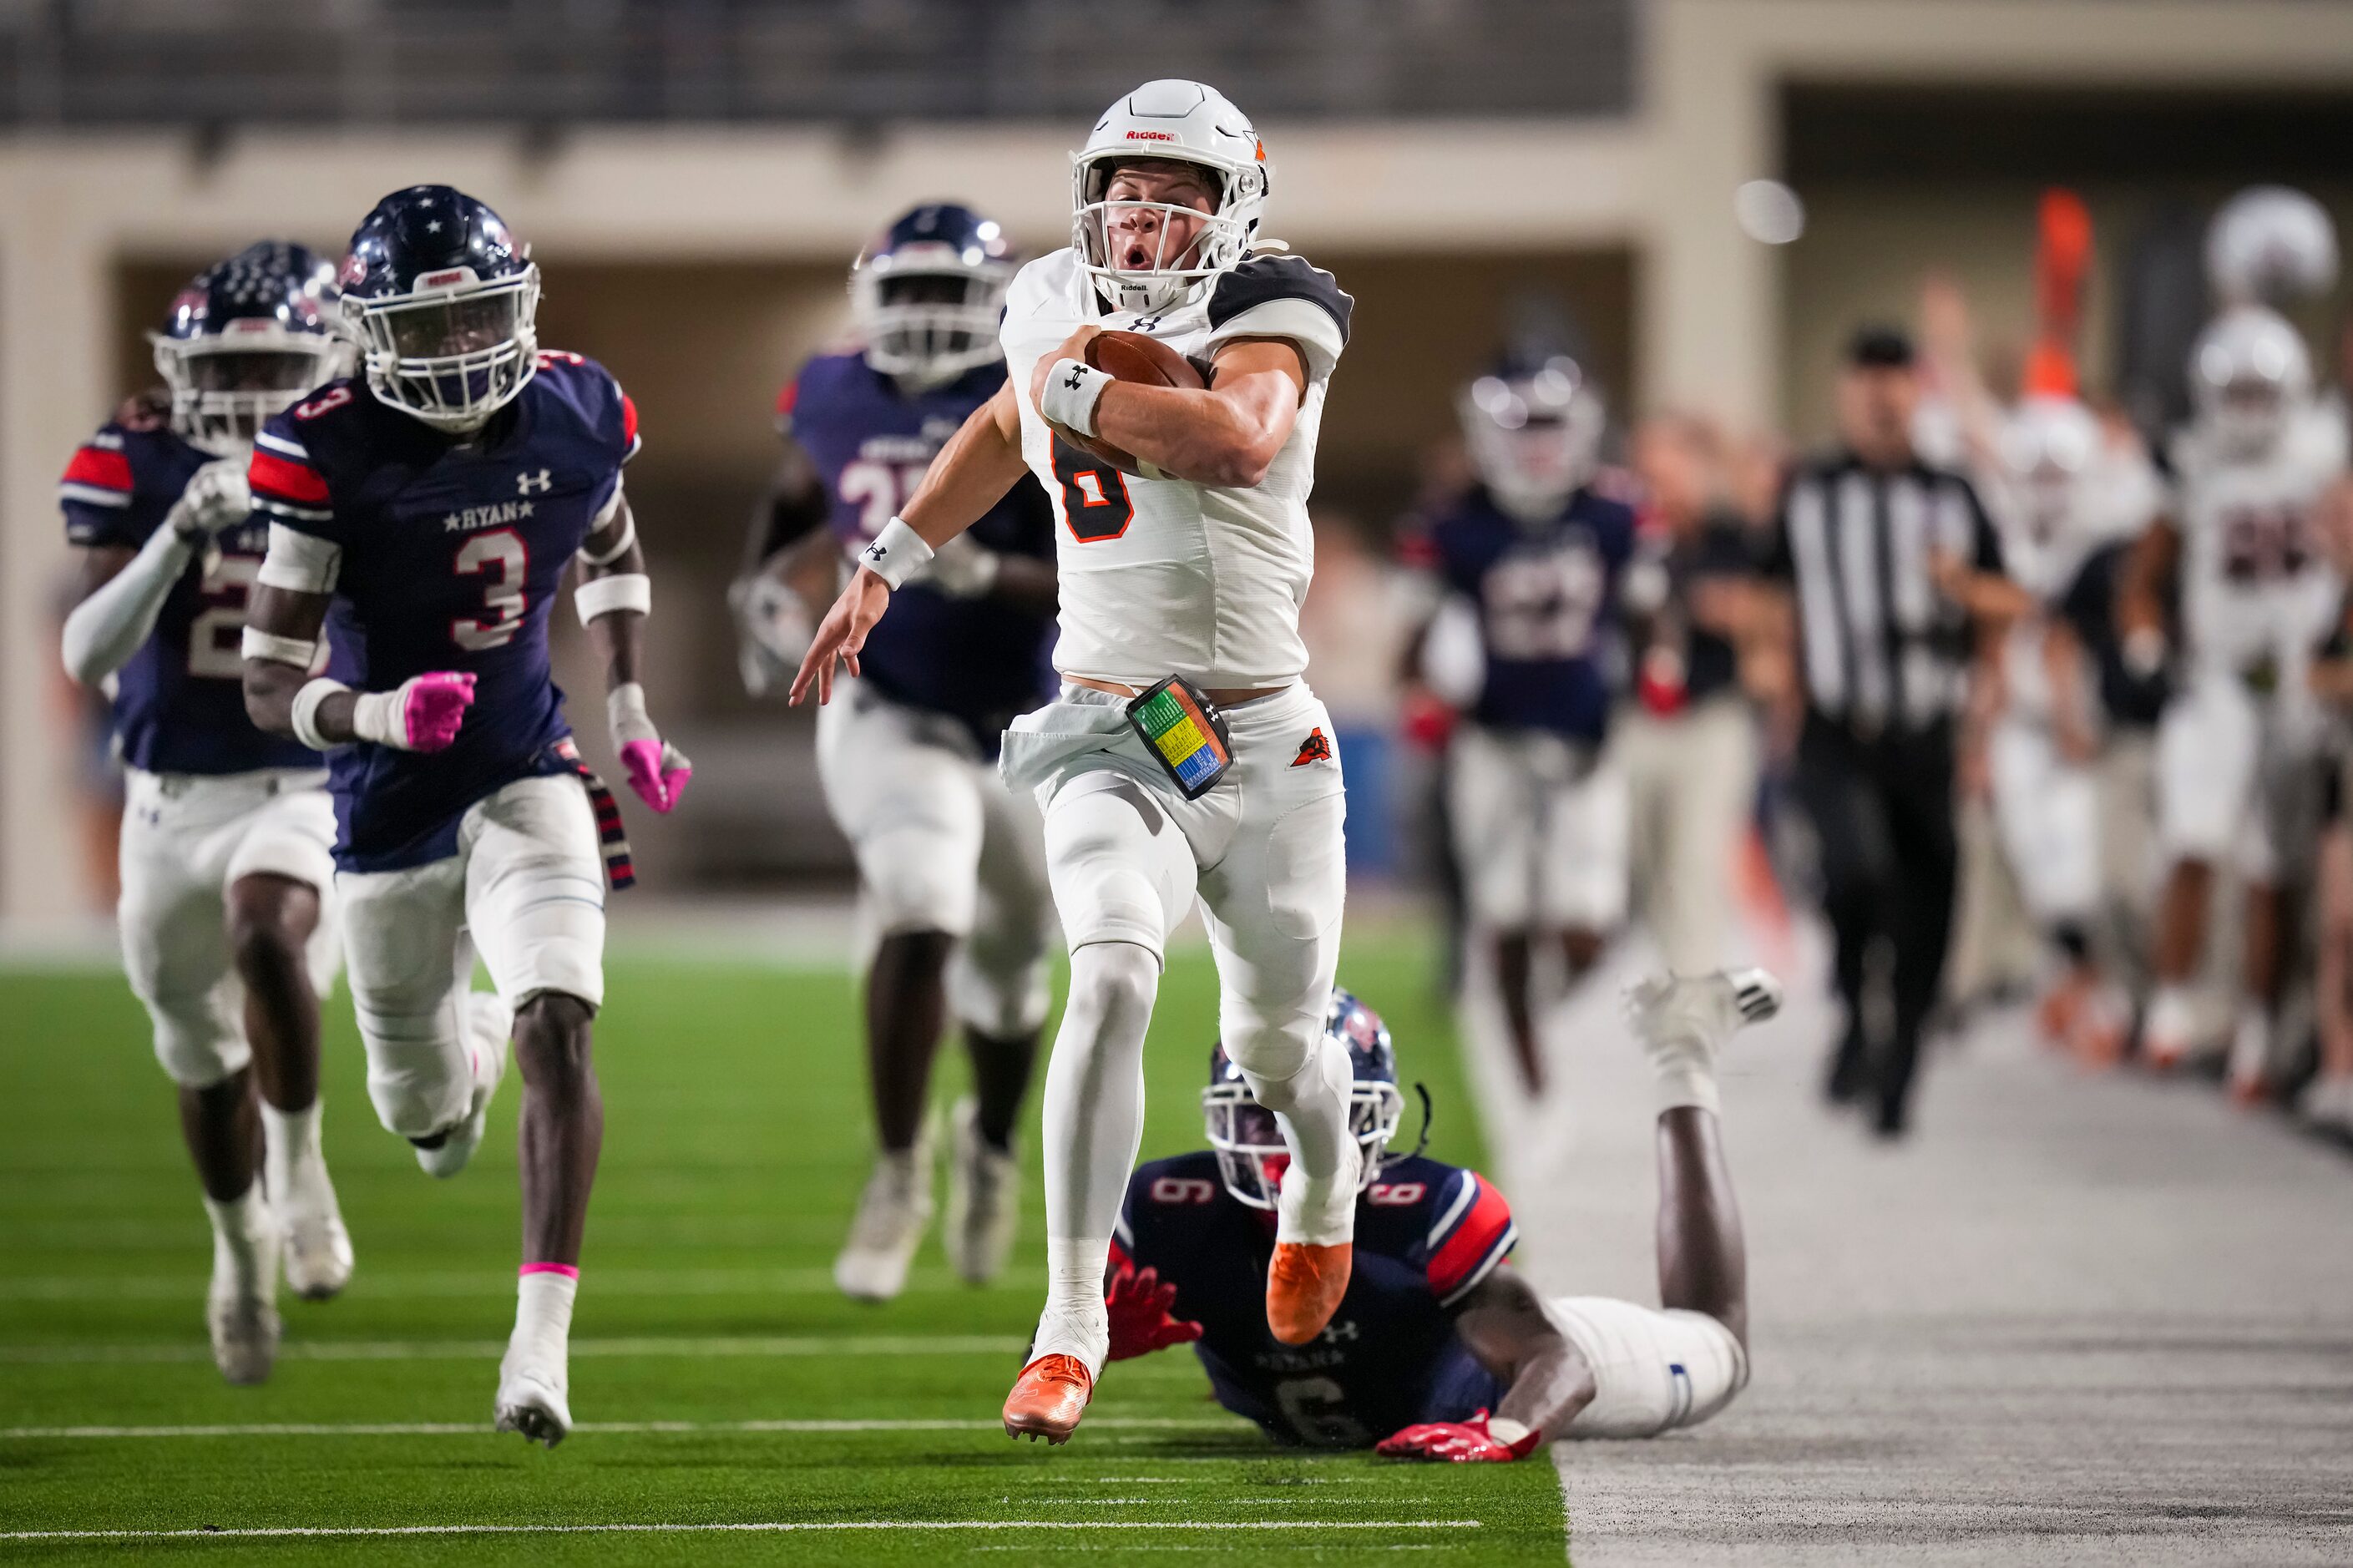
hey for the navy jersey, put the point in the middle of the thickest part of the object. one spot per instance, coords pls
(1426, 1234)
(979, 661)
(451, 555)
(179, 704)
(1548, 600)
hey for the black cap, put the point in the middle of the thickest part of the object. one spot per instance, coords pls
(1877, 347)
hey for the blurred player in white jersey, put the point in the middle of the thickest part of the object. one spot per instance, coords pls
(1186, 759)
(950, 862)
(226, 913)
(2257, 595)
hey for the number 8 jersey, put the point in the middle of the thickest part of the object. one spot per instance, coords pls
(179, 704)
(1165, 577)
(446, 554)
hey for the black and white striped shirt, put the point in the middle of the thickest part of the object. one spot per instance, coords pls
(1882, 646)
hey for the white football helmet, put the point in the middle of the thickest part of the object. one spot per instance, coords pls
(2050, 447)
(2249, 376)
(2270, 243)
(1183, 121)
(1534, 428)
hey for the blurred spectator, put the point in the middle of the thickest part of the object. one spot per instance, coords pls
(1687, 740)
(1355, 624)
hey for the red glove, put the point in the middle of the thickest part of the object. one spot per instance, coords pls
(1140, 1320)
(1458, 1443)
(1426, 723)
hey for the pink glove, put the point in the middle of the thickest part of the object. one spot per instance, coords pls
(421, 714)
(658, 772)
(1457, 1442)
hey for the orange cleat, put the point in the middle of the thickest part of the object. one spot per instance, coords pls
(1047, 1399)
(1303, 1286)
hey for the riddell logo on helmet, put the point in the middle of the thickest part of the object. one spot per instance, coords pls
(1150, 136)
(440, 280)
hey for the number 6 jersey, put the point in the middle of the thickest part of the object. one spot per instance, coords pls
(179, 704)
(1165, 577)
(447, 552)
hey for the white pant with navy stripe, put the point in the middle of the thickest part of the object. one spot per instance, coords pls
(1653, 1371)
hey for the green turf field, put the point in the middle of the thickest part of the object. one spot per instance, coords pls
(719, 1380)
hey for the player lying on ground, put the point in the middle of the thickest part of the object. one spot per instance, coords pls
(1436, 1345)
(951, 861)
(435, 505)
(225, 918)
(1187, 760)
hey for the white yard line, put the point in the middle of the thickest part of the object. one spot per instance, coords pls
(491, 1349)
(776, 1527)
(477, 1429)
(437, 1285)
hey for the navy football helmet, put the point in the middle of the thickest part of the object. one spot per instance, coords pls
(1251, 1154)
(928, 294)
(443, 303)
(1533, 426)
(247, 338)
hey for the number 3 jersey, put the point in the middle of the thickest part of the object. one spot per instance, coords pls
(979, 661)
(1546, 595)
(1164, 576)
(179, 704)
(447, 555)
(1426, 1235)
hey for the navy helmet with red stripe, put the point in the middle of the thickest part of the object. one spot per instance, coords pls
(1251, 1154)
(246, 339)
(929, 294)
(444, 302)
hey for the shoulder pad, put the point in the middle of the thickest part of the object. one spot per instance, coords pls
(592, 389)
(1263, 280)
(1471, 1229)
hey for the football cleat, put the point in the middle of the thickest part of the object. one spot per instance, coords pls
(984, 1199)
(892, 1215)
(1303, 1286)
(318, 1253)
(488, 1022)
(535, 1400)
(241, 1312)
(1047, 1399)
(1669, 1011)
(2328, 1103)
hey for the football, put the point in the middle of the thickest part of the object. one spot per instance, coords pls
(1148, 362)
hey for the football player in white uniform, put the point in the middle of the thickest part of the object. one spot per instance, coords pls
(2257, 597)
(1185, 759)
(226, 915)
(2065, 489)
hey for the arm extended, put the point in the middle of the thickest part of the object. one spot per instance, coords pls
(1503, 1324)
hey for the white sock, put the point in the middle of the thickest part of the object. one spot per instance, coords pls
(240, 1239)
(2169, 1013)
(1685, 1069)
(543, 1330)
(290, 1142)
(1094, 1090)
(1074, 1323)
(1311, 1106)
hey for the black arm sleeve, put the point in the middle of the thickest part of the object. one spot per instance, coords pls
(795, 504)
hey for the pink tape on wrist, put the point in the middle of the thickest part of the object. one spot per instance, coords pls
(566, 1270)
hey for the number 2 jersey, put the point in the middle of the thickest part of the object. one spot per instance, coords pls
(977, 660)
(1165, 577)
(1546, 593)
(179, 703)
(446, 556)
(1426, 1235)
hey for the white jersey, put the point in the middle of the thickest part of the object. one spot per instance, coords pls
(2048, 539)
(2256, 592)
(1165, 577)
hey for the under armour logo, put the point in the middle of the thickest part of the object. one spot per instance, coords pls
(1071, 383)
(543, 480)
(1144, 323)
(875, 552)
(1336, 1333)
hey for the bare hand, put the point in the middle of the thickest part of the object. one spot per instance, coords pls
(841, 634)
(1074, 347)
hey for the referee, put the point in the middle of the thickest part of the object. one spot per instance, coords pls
(1887, 560)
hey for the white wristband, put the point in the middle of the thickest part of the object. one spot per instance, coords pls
(300, 652)
(1073, 390)
(626, 716)
(306, 710)
(621, 591)
(380, 716)
(896, 554)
